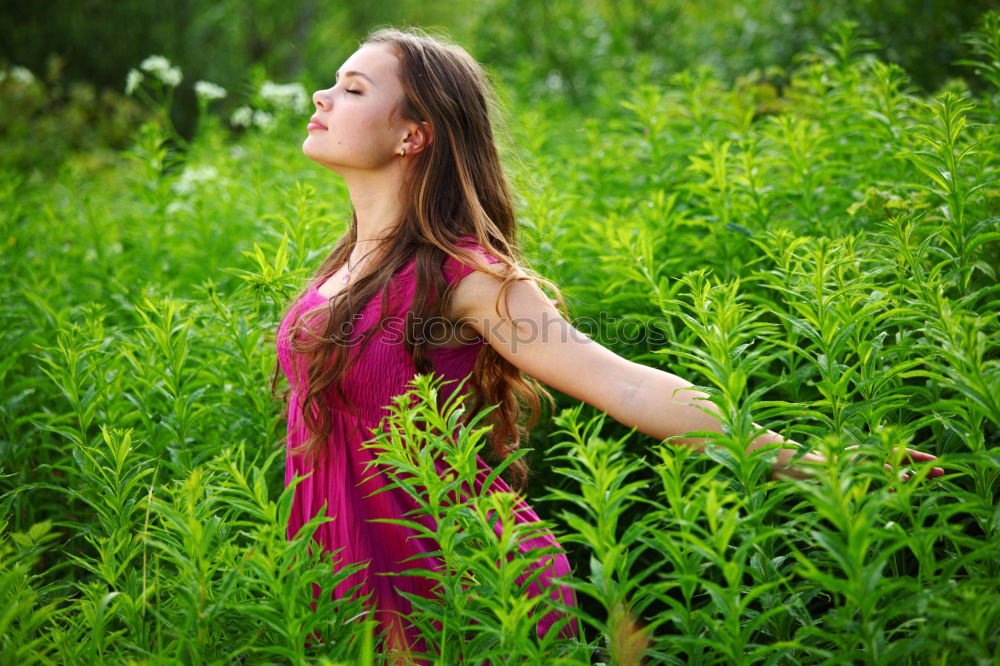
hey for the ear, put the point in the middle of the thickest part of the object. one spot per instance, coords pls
(418, 137)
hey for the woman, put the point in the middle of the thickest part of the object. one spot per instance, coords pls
(429, 278)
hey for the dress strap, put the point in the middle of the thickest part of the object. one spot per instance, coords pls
(455, 270)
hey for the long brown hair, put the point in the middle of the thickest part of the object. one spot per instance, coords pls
(455, 188)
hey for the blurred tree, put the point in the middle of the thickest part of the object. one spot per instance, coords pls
(574, 46)
(923, 37)
(551, 47)
(216, 40)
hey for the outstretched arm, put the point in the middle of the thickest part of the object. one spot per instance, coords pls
(530, 333)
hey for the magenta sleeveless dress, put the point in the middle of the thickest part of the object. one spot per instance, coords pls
(339, 481)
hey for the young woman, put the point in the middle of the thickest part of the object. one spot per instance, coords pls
(429, 277)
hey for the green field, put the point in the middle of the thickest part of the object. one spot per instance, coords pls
(818, 250)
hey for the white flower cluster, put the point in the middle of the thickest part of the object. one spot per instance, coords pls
(132, 81)
(263, 119)
(208, 91)
(161, 68)
(291, 96)
(277, 97)
(177, 207)
(18, 74)
(245, 116)
(193, 176)
(241, 117)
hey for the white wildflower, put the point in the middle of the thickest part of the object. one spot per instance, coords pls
(132, 81)
(192, 177)
(161, 68)
(237, 152)
(291, 96)
(22, 75)
(241, 117)
(172, 77)
(208, 91)
(155, 64)
(263, 119)
(176, 207)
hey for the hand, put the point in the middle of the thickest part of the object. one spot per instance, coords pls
(913, 456)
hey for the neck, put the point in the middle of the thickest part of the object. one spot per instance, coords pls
(377, 205)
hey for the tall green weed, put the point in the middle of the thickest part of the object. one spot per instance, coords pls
(819, 256)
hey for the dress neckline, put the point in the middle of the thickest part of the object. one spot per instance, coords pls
(322, 281)
(314, 289)
(467, 240)
(316, 285)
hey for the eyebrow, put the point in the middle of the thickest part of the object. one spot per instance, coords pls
(353, 73)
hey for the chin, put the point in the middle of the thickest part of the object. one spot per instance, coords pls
(308, 149)
(309, 152)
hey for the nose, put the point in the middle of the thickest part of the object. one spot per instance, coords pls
(321, 99)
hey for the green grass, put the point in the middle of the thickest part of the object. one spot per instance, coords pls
(821, 259)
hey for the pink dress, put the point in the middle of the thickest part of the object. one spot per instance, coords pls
(381, 373)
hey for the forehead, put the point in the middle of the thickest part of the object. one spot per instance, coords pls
(377, 61)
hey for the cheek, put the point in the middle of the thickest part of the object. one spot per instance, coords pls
(353, 128)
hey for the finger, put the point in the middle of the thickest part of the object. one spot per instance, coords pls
(935, 472)
(905, 476)
(919, 456)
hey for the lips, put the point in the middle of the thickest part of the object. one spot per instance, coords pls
(315, 124)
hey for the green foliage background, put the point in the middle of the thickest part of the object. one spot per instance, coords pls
(564, 49)
(818, 248)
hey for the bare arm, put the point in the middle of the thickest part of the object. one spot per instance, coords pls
(662, 405)
(533, 335)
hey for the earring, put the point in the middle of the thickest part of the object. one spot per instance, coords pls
(402, 152)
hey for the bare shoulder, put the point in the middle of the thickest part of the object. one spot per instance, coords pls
(476, 295)
(529, 332)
